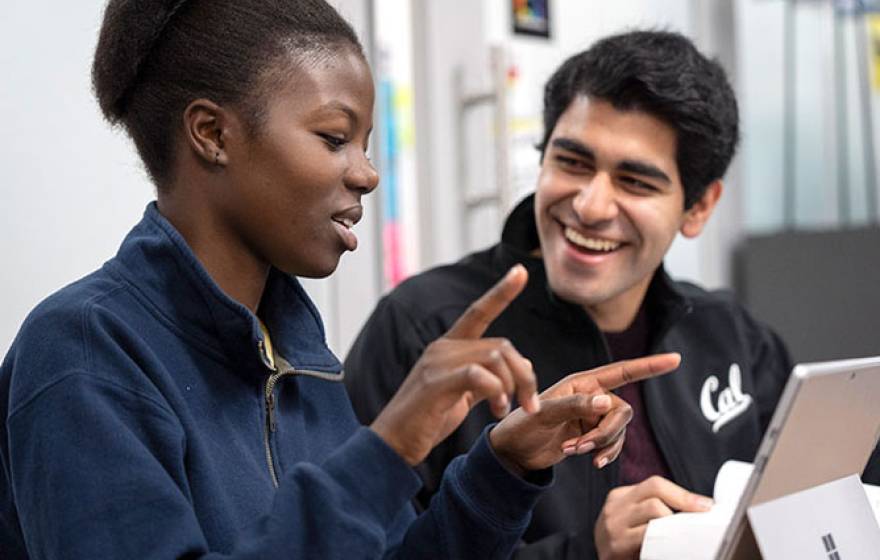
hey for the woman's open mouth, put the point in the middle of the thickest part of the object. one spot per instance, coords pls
(346, 220)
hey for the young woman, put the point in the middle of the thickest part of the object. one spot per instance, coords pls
(181, 402)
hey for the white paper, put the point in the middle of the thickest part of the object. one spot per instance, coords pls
(686, 536)
(697, 536)
(873, 493)
(730, 482)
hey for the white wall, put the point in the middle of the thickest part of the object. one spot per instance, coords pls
(70, 187)
(819, 168)
(446, 35)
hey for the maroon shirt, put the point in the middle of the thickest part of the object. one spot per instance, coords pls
(641, 457)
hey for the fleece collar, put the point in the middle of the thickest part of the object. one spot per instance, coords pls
(155, 260)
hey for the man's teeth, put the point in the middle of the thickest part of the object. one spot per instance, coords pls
(590, 243)
(346, 222)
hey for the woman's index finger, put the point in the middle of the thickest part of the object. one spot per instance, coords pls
(480, 314)
(619, 374)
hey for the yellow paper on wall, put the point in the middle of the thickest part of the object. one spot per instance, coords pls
(873, 22)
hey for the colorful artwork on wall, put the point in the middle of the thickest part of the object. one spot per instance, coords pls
(531, 17)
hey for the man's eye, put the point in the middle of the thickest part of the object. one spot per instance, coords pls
(570, 162)
(638, 184)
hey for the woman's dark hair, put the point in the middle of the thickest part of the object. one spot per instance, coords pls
(154, 57)
(663, 74)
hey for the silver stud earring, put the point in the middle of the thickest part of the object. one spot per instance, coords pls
(216, 158)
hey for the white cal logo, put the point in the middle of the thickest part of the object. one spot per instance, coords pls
(731, 401)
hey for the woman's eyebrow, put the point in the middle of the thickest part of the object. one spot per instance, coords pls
(336, 105)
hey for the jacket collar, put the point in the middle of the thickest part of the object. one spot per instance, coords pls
(519, 239)
(156, 261)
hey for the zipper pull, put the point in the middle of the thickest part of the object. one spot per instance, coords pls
(270, 411)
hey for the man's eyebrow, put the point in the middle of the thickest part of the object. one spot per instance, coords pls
(636, 167)
(644, 169)
(574, 146)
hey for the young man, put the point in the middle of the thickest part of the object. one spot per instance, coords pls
(639, 131)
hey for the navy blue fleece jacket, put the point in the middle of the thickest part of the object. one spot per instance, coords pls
(140, 419)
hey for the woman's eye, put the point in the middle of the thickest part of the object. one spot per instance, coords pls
(333, 142)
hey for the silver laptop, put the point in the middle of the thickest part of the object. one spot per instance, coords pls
(825, 427)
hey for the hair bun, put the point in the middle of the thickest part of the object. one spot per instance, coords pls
(120, 57)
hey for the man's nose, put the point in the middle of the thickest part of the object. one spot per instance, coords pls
(596, 201)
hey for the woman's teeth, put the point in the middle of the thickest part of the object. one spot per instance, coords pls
(590, 243)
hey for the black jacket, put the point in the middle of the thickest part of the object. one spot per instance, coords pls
(717, 339)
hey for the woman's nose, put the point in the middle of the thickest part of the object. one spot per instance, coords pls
(362, 175)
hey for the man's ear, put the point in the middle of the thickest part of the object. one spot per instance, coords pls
(205, 124)
(696, 216)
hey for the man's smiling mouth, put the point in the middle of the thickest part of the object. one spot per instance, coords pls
(590, 243)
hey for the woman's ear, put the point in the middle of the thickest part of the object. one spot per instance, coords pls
(696, 216)
(204, 124)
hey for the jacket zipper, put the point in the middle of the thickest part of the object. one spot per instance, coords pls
(269, 395)
(675, 467)
(270, 404)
